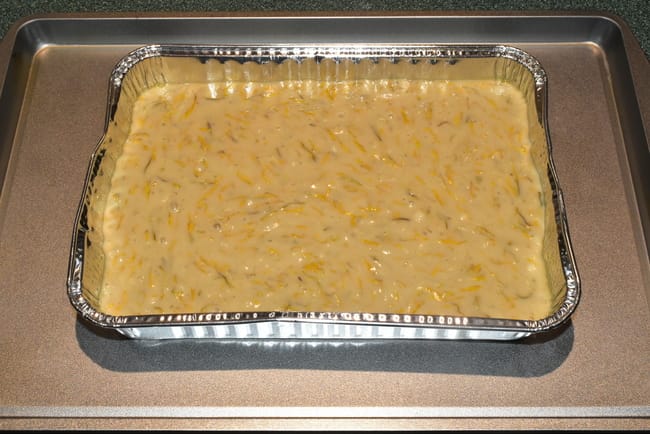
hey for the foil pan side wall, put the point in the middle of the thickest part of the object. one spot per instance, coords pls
(540, 154)
(557, 253)
(87, 259)
(155, 65)
(314, 331)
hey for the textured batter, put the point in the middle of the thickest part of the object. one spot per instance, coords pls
(395, 196)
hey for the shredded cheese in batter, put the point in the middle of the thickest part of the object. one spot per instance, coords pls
(396, 196)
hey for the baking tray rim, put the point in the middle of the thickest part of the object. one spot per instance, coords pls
(17, 26)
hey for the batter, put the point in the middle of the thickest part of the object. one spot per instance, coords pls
(395, 196)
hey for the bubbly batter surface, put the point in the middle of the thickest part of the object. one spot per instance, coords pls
(395, 196)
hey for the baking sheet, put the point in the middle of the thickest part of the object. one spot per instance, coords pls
(52, 110)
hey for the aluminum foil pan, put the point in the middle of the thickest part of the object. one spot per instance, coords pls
(156, 65)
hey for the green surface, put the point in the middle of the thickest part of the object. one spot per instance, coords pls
(636, 13)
